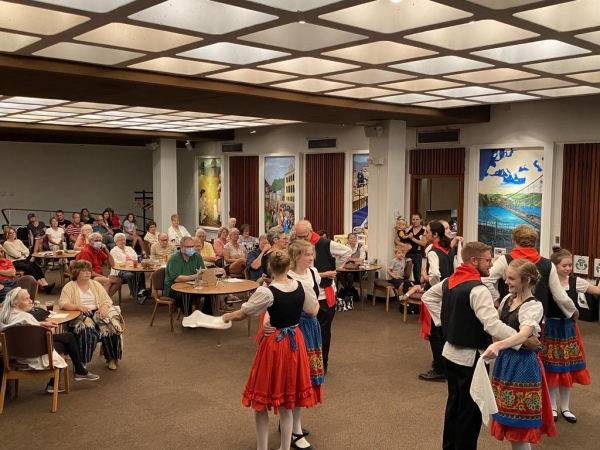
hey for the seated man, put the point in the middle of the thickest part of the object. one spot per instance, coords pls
(254, 258)
(62, 222)
(162, 248)
(100, 226)
(97, 253)
(7, 274)
(73, 230)
(182, 267)
(205, 249)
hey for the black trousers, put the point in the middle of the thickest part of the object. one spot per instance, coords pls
(436, 342)
(462, 422)
(206, 307)
(417, 261)
(29, 268)
(325, 317)
(64, 343)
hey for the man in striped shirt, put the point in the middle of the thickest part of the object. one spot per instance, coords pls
(74, 229)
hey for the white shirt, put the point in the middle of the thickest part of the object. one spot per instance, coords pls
(120, 257)
(531, 313)
(307, 278)
(88, 299)
(55, 236)
(173, 236)
(263, 298)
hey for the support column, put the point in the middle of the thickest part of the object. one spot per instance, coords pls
(164, 167)
(387, 184)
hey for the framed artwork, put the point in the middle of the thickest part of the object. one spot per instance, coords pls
(280, 192)
(209, 191)
(360, 190)
(510, 193)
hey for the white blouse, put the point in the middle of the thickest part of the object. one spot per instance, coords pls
(530, 313)
(307, 277)
(121, 256)
(88, 299)
(262, 299)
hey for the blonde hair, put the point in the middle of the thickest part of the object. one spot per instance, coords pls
(279, 262)
(526, 271)
(524, 236)
(174, 216)
(401, 220)
(298, 249)
(559, 255)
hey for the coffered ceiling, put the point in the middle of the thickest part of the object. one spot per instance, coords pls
(340, 61)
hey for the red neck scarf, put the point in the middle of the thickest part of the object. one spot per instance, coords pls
(463, 273)
(528, 253)
(436, 244)
(314, 237)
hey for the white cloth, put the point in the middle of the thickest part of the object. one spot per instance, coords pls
(482, 393)
(263, 298)
(198, 319)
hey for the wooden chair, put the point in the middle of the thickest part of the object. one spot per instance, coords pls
(158, 284)
(28, 341)
(414, 299)
(385, 286)
(30, 284)
(146, 248)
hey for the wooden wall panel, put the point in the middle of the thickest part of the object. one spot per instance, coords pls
(325, 192)
(243, 191)
(437, 161)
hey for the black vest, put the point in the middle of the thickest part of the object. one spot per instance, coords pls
(324, 261)
(446, 262)
(315, 285)
(542, 289)
(511, 318)
(572, 294)
(460, 325)
(287, 307)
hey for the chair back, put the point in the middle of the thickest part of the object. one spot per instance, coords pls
(158, 279)
(246, 274)
(146, 248)
(26, 341)
(30, 284)
(408, 271)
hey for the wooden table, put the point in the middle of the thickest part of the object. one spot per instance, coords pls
(139, 269)
(360, 270)
(66, 254)
(63, 321)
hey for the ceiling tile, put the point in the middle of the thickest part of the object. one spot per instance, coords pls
(53, 114)
(142, 109)
(93, 116)
(536, 83)
(203, 16)
(5, 111)
(502, 98)
(137, 38)
(177, 66)
(492, 75)
(468, 91)
(279, 121)
(252, 76)
(407, 98)
(446, 104)
(11, 42)
(227, 52)
(532, 51)
(590, 77)
(370, 76)
(110, 114)
(503, 4)
(384, 16)
(10, 119)
(424, 84)
(311, 85)
(62, 122)
(568, 91)
(192, 114)
(295, 5)
(593, 37)
(568, 65)
(472, 35)
(68, 109)
(36, 20)
(441, 65)
(363, 92)
(95, 6)
(380, 52)
(241, 118)
(18, 106)
(95, 105)
(87, 53)
(302, 37)
(213, 121)
(36, 101)
(567, 16)
(29, 117)
(309, 66)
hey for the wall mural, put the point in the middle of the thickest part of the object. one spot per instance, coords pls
(360, 190)
(209, 192)
(280, 192)
(510, 193)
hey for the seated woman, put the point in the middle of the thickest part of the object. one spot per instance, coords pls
(113, 220)
(234, 254)
(15, 311)
(16, 251)
(123, 255)
(176, 232)
(82, 239)
(56, 238)
(130, 231)
(204, 248)
(248, 242)
(98, 318)
(220, 242)
(85, 216)
(357, 257)
(151, 236)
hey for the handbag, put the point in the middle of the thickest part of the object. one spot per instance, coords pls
(346, 303)
(39, 314)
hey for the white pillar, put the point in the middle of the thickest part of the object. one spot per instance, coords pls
(387, 175)
(164, 166)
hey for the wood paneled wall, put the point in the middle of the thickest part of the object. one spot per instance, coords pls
(325, 192)
(243, 191)
(437, 161)
(580, 213)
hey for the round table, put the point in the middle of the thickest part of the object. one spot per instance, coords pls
(360, 270)
(63, 320)
(139, 269)
(66, 254)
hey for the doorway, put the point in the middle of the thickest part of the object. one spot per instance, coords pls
(439, 197)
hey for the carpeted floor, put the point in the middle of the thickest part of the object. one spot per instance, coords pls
(180, 390)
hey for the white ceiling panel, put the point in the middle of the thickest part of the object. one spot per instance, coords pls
(295, 5)
(370, 76)
(385, 16)
(468, 91)
(447, 104)
(569, 16)
(145, 110)
(229, 53)
(95, 6)
(35, 101)
(593, 37)
(571, 65)
(11, 42)
(407, 98)
(18, 106)
(309, 66)
(480, 33)
(536, 83)
(202, 16)
(302, 37)
(177, 66)
(312, 85)
(93, 105)
(278, 121)
(252, 76)
(441, 65)
(423, 84)
(36, 20)
(532, 51)
(503, 98)
(568, 91)
(381, 52)
(363, 92)
(87, 53)
(590, 77)
(492, 75)
(503, 4)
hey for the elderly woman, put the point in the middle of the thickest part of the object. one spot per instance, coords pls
(123, 255)
(176, 232)
(245, 240)
(357, 257)
(278, 241)
(15, 311)
(234, 254)
(151, 236)
(82, 239)
(204, 248)
(16, 251)
(98, 318)
(220, 241)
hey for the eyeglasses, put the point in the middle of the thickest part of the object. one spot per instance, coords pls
(187, 246)
(304, 236)
(485, 259)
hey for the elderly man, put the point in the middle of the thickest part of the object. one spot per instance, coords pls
(205, 249)
(183, 266)
(100, 226)
(254, 258)
(74, 230)
(97, 253)
(162, 248)
(329, 256)
(7, 274)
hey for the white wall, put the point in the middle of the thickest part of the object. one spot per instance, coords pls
(71, 177)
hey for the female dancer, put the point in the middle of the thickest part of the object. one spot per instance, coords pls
(565, 368)
(518, 380)
(280, 375)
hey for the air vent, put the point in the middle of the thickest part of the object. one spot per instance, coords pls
(232, 148)
(438, 137)
(322, 143)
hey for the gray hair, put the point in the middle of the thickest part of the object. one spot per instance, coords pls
(234, 230)
(274, 232)
(200, 230)
(305, 222)
(87, 226)
(162, 234)
(120, 236)
(93, 236)
(263, 236)
(7, 306)
(185, 239)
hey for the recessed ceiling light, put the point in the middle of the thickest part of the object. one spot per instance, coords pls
(252, 76)
(424, 84)
(229, 53)
(302, 22)
(590, 77)
(370, 76)
(295, 5)
(568, 65)
(407, 98)
(503, 4)
(36, 101)
(89, 5)
(593, 37)
(446, 104)
(568, 91)
(380, 52)
(492, 75)
(87, 53)
(36, 20)
(253, 131)
(18, 106)
(363, 92)
(311, 85)
(93, 105)
(536, 83)
(532, 51)
(503, 98)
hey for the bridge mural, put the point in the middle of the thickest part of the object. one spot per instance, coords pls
(510, 193)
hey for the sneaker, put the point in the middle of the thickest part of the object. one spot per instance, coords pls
(50, 389)
(431, 375)
(87, 377)
(234, 299)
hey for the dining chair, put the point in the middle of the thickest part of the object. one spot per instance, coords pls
(28, 341)
(385, 286)
(158, 284)
(30, 284)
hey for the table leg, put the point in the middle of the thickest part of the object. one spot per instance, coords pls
(362, 297)
(62, 273)
(187, 300)
(215, 309)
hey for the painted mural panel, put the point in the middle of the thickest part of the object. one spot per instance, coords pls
(280, 192)
(209, 192)
(360, 190)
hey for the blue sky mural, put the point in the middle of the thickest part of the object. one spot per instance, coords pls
(502, 170)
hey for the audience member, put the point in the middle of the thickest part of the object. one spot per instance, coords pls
(395, 270)
(130, 231)
(400, 237)
(37, 233)
(204, 248)
(85, 216)
(231, 222)
(245, 240)
(7, 274)
(357, 257)
(74, 229)
(323, 234)
(220, 241)
(151, 236)
(254, 258)
(124, 255)
(97, 254)
(277, 241)
(114, 222)
(62, 222)
(234, 254)
(177, 232)
(82, 239)
(415, 237)
(101, 227)
(163, 248)
(55, 235)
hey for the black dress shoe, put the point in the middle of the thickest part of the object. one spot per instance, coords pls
(297, 437)
(555, 415)
(431, 375)
(570, 419)
(48, 288)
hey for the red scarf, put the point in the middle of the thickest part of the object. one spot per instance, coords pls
(436, 244)
(314, 237)
(530, 254)
(463, 273)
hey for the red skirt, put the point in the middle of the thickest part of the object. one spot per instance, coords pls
(425, 319)
(280, 375)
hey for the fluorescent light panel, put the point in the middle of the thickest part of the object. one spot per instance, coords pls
(532, 51)
(381, 52)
